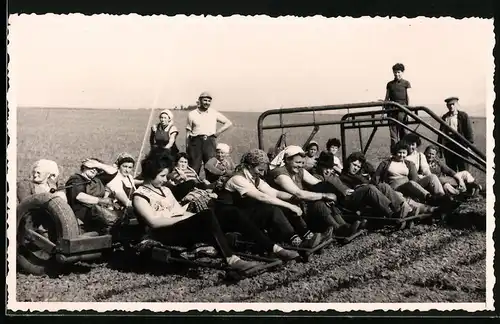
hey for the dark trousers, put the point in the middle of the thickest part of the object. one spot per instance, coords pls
(454, 162)
(202, 227)
(396, 131)
(200, 149)
(321, 215)
(369, 195)
(233, 219)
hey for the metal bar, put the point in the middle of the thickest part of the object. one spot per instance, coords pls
(360, 138)
(442, 146)
(342, 140)
(41, 241)
(311, 136)
(407, 110)
(370, 139)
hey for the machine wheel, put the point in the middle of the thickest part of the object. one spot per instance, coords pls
(49, 216)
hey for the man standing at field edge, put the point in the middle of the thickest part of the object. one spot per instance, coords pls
(459, 121)
(201, 132)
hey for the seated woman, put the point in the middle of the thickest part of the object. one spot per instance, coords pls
(89, 198)
(333, 146)
(426, 179)
(187, 186)
(164, 134)
(287, 174)
(169, 223)
(402, 176)
(311, 155)
(453, 182)
(268, 208)
(44, 177)
(356, 175)
(123, 184)
(221, 165)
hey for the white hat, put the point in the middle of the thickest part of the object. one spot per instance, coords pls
(223, 147)
(48, 166)
(289, 151)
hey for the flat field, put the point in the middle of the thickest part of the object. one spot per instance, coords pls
(428, 263)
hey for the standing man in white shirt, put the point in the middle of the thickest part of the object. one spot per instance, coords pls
(202, 133)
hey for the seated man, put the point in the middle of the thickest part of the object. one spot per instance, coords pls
(453, 182)
(288, 174)
(270, 209)
(88, 197)
(402, 176)
(44, 177)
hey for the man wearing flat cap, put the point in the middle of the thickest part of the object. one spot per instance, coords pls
(201, 132)
(460, 122)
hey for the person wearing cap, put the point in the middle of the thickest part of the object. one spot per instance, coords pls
(287, 174)
(88, 196)
(397, 91)
(164, 134)
(202, 132)
(459, 121)
(270, 209)
(220, 166)
(44, 177)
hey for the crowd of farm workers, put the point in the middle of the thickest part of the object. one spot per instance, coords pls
(292, 197)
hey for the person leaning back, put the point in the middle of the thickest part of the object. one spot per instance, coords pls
(460, 122)
(201, 132)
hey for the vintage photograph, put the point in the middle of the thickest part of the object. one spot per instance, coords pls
(249, 163)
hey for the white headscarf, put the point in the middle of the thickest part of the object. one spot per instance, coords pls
(289, 151)
(223, 147)
(47, 166)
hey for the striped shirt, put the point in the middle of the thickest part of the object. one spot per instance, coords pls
(178, 176)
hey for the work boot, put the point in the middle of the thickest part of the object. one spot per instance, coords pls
(287, 255)
(296, 241)
(343, 231)
(363, 224)
(354, 228)
(243, 265)
(311, 240)
(326, 235)
(404, 210)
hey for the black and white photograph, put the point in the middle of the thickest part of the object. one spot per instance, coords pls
(176, 163)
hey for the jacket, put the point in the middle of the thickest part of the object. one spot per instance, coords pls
(464, 127)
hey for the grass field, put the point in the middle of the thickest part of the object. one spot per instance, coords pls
(428, 263)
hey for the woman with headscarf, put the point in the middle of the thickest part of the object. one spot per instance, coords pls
(44, 177)
(124, 184)
(221, 165)
(270, 209)
(164, 134)
(287, 174)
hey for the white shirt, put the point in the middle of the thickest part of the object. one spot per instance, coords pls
(420, 161)
(452, 121)
(204, 122)
(245, 184)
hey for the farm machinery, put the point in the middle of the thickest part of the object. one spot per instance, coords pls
(49, 235)
(373, 119)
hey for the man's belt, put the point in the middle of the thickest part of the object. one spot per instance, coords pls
(205, 137)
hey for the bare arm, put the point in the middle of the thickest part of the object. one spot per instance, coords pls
(144, 209)
(287, 184)
(171, 140)
(267, 199)
(226, 124)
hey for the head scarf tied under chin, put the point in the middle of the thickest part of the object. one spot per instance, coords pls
(289, 151)
(47, 166)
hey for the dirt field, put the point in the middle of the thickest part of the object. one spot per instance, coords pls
(429, 263)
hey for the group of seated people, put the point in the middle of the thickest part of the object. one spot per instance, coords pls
(298, 198)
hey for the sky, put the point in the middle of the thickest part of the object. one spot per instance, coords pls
(246, 63)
